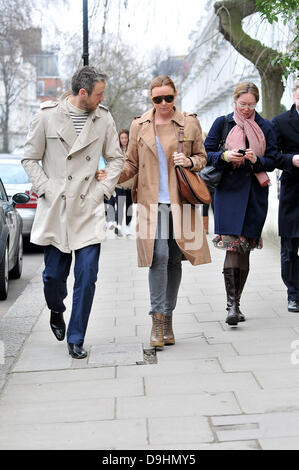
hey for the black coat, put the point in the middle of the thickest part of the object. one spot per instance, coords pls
(286, 126)
(240, 203)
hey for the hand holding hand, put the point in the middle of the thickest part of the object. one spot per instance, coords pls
(233, 156)
(181, 159)
(296, 160)
(101, 175)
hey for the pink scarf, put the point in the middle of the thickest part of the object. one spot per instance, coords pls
(246, 128)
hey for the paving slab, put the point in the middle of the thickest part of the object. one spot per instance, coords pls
(266, 401)
(184, 384)
(278, 378)
(179, 430)
(282, 443)
(201, 404)
(65, 375)
(58, 411)
(116, 354)
(271, 361)
(76, 390)
(256, 426)
(196, 367)
(106, 434)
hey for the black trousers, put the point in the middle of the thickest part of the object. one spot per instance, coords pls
(290, 266)
(122, 199)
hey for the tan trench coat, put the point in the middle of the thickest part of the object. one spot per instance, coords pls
(70, 213)
(142, 158)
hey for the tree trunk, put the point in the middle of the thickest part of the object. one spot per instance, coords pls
(272, 91)
(231, 13)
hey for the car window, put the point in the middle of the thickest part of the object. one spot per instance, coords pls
(3, 196)
(13, 174)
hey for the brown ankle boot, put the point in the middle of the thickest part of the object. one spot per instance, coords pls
(168, 332)
(157, 330)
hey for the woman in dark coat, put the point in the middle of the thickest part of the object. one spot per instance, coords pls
(241, 198)
(286, 126)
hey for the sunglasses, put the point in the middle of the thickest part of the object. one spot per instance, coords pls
(159, 99)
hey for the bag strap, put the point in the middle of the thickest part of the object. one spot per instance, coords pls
(181, 139)
(181, 135)
(224, 133)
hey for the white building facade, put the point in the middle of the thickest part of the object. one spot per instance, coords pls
(217, 68)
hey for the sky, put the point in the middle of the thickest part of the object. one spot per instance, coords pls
(145, 24)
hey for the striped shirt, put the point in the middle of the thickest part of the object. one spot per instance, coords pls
(79, 117)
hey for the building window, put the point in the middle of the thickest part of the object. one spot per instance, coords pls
(40, 88)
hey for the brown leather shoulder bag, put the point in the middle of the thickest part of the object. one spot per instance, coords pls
(192, 188)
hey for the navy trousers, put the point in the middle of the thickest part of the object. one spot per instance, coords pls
(55, 274)
(290, 266)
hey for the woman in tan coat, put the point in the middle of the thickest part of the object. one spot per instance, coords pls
(167, 230)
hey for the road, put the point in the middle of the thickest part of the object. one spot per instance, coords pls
(32, 260)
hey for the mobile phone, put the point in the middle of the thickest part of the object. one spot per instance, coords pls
(102, 163)
(242, 151)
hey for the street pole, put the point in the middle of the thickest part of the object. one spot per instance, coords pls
(85, 32)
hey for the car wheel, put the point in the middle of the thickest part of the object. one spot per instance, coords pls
(16, 272)
(4, 275)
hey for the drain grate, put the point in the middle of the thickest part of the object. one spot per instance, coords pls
(121, 354)
(149, 356)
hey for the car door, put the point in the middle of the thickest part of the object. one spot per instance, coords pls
(11, 220)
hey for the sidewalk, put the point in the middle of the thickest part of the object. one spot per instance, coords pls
(217, 388)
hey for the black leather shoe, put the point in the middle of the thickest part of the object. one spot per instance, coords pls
(293, 306)
(76, 351)
(241, 317)
(57, 325)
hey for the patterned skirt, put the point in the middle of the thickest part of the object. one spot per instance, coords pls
(237, 243)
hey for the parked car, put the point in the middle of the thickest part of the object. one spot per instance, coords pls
(11, 239)
(16, 180)
(9, 156)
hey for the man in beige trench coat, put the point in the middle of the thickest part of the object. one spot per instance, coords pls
(68, 137)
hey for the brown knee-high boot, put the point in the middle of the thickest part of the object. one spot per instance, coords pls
(168, 331)
(232, 282)
(243, 278)
(157, 330)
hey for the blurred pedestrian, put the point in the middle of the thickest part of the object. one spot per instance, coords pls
(68, 138)
(286, 126)
(241, 198)
(122, 200)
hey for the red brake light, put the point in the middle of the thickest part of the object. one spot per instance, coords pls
(31, 204)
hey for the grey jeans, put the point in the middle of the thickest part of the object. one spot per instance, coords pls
(165, 272)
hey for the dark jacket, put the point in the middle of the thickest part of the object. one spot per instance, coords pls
(286, 126)
(241, 204)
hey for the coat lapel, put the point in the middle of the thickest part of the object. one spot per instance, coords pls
(88, 134)
(148, 136)
(147, 132)
(65, 128)
(67, 132)
(294, 119)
